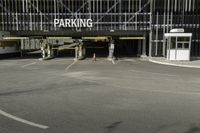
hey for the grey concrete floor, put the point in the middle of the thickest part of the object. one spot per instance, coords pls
(132, 96)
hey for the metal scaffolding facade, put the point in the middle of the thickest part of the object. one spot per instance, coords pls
(171, 14)
(151, 17)
(39, 15)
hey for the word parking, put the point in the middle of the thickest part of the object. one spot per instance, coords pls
(77, 23)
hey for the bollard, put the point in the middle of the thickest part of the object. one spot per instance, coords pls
(43, 52)
(94, 57)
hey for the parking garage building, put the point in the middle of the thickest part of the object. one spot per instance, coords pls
(117, 28)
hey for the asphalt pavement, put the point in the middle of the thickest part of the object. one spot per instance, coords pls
(127, 96)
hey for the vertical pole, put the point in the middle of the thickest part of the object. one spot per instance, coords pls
(97, 5)
(168, 47)
(30, 19)
(164, 45)
(76, 52)
(55, 13)
(168, 52)
(17, 21)
(171, 20)
(175, 48)
(168, 6)
(136, 21)
(81, 52)
(120, 13)
(41, 23)
(156, 35)
(144, 47)
(190, 47)
(175, 7)
(48, 51)
(125, 21)
(2, 16)
(139, 48)
(150, 34)
(111, 50)
(21, 48)
(43, 49)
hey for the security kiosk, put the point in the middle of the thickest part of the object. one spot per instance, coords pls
(178, 46)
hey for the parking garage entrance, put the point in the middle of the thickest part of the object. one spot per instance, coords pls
(123, 46)
(130, 47)
(99, 48)
(102, 46)
(126, 48)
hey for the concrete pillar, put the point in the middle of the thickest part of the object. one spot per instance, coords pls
(150, 44)
(81, 52)
(139, 48)
(21, 47)
(43, 52)
(144, 54)
(164, 47)
(43, 49)
(76, 52)
(48, 51)
(111, 50)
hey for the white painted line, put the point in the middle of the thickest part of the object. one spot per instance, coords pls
(22, 120)
(171, 64)
(68, 67)
(28, 64)
(113, 61)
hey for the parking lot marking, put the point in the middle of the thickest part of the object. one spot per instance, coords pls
(68, 67)
(22, 120)
(28, 64)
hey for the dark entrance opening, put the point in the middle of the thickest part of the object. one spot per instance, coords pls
(127, 48)
(100, 48)
(65, 53)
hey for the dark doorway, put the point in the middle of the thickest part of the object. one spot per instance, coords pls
(100, 48)
(65, 53)
(127, 48)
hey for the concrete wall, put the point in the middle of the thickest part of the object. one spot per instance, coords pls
(7, 47)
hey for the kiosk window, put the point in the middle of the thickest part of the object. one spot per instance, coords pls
(173, 45)
(180, 46)
(186, 46)
(183, 39)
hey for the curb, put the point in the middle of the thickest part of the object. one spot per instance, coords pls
(171, 64)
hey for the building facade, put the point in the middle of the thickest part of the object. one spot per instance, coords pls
(150, 19)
